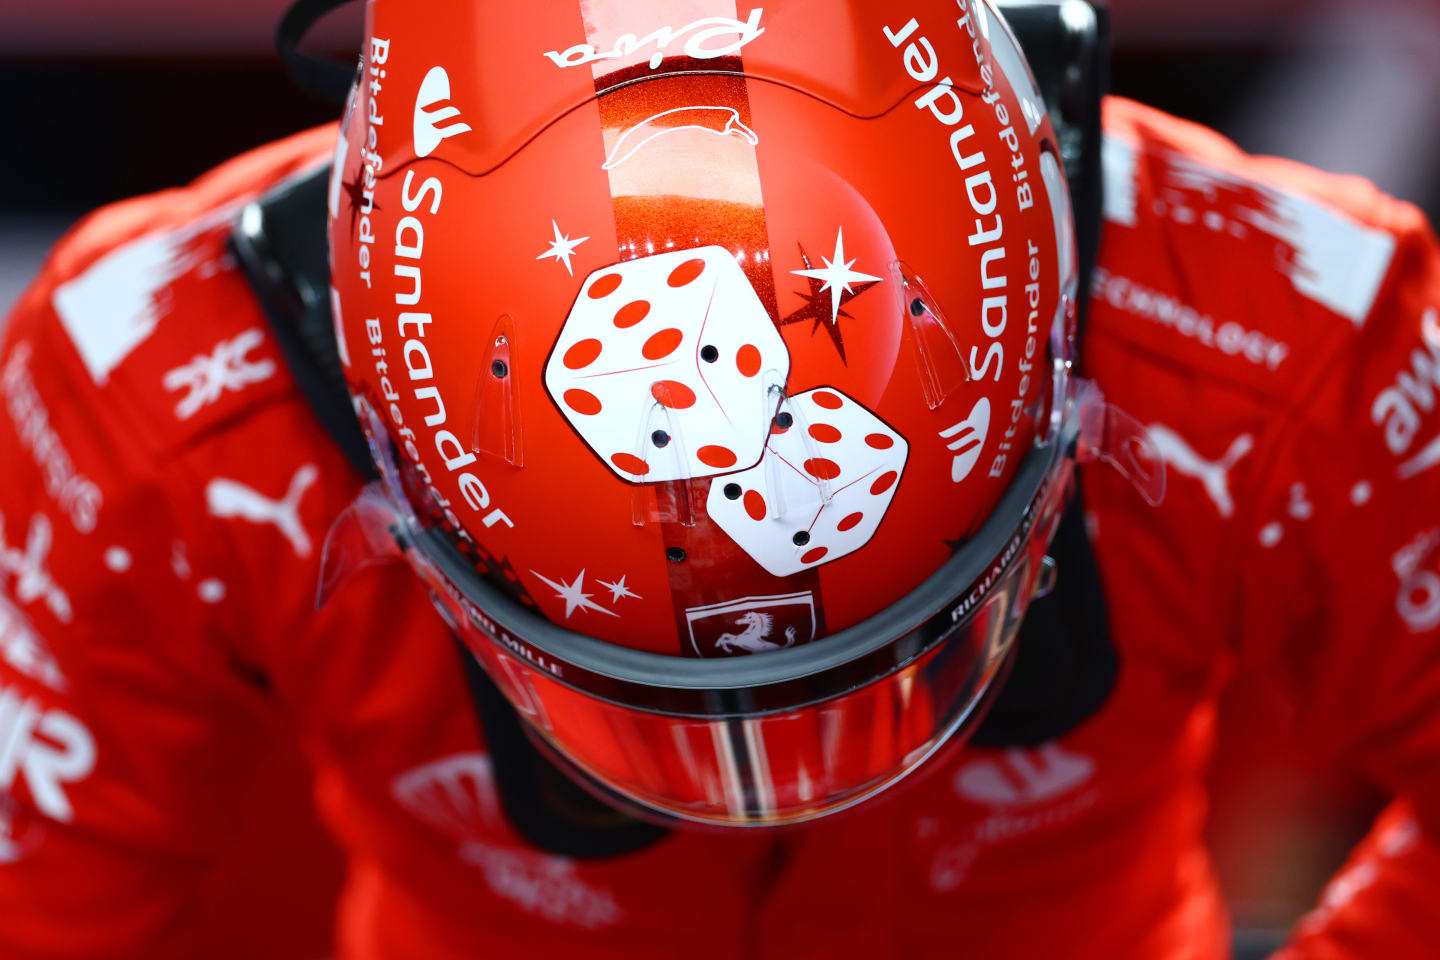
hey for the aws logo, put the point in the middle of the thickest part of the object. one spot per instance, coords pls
(1400, 408)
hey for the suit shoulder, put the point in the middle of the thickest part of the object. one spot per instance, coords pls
(1133, 128)
(1251, 269)
(144, 316)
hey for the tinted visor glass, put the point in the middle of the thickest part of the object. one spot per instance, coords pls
(753, 741)
(776, 768)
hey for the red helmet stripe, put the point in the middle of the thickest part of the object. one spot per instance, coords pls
(663, 202)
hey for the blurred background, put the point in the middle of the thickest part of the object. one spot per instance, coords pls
(103, 100)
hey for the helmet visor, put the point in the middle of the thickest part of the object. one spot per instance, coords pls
(769, 769)
(764, 740)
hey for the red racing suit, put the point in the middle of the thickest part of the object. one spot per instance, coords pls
(167, 686)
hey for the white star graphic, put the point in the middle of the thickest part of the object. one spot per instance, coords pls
(574, 596)
(837, 275)
(618, 590)
(562, 248)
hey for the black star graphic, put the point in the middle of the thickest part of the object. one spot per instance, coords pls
(356, 192)
(965, 537)
(500, 570)
(818, 306)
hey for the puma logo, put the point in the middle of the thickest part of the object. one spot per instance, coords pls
(230, 499)
(1214, 476)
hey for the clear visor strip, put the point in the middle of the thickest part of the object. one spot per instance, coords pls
(1103, 432)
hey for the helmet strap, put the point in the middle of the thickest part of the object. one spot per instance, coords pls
(318, 77)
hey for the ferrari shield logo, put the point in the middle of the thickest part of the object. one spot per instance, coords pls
(752, 625)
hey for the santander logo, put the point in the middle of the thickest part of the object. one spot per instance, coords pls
(433, 126)
(702, 42)
(967, 439)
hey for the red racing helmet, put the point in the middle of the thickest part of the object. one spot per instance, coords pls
(717, 364)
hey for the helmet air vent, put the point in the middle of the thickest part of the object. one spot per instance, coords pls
(497, 407)
(941, 363)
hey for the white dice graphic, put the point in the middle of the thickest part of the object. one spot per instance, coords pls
(670, 367)
(825, 483)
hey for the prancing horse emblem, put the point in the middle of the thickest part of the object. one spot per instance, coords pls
(746, 626)
(752, 640)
